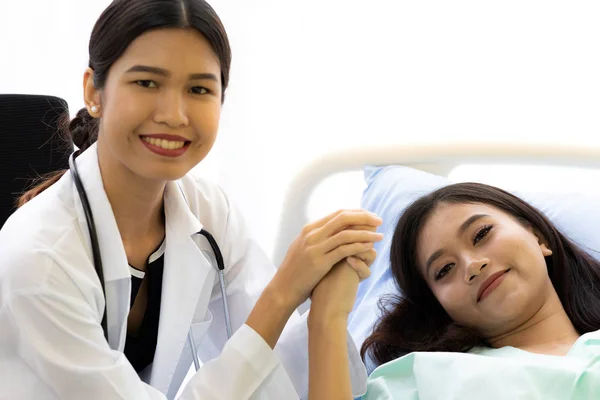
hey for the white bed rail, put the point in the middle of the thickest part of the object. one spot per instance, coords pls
(437, 159)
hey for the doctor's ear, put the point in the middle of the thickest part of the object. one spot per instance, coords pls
(91, 94)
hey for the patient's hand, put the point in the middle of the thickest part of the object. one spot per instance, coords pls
(368, 257)
(334, 296)
(332, 301)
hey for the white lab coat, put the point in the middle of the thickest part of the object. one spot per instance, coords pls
(51, 341)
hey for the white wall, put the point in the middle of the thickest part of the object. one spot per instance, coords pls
(315, 75)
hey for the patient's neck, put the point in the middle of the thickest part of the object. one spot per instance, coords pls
(548, 331)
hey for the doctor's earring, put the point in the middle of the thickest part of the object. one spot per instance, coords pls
(95, 109)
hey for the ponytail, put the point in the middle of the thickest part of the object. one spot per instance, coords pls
(83, 132)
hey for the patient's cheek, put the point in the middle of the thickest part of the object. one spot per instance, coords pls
(456, 306)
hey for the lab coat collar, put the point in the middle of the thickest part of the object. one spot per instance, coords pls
(178, 212)
(114, 259)
(186, 270)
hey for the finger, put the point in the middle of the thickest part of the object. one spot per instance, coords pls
(346, 219)
(341, 252)
(321, 222)
(363, 228)
(348, 237)
(359, 267)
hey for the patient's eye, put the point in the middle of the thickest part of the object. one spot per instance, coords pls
(444, 271)
(481, 233)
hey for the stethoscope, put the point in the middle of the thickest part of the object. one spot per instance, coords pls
(98, 259)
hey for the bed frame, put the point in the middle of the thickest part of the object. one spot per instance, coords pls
(439, 159)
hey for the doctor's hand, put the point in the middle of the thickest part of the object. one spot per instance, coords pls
(320, 246)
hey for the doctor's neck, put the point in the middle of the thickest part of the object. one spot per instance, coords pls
(137, 204)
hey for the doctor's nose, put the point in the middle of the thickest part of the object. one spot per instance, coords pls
(474, 267)
(171, 110)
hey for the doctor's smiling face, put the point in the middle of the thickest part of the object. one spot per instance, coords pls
(160, 104)
(486, 268)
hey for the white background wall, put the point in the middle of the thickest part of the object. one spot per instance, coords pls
(316, 75)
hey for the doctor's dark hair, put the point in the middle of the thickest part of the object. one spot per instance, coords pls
(416, 321)
(119, 25)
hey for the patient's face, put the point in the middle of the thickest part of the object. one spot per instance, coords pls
(462, 245)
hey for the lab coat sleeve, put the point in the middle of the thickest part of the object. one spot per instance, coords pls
(248, 271)
(60, 339)
(239, 372)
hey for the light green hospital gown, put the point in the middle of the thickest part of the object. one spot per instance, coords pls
(491, 374)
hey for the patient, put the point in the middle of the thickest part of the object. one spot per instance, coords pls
(495, 304)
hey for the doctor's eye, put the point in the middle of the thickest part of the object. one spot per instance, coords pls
(146, 83)
(482, 233)
(199, 90)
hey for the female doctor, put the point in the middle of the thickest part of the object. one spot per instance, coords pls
(157, 74)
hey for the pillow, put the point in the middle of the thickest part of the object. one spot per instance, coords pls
(391, 189)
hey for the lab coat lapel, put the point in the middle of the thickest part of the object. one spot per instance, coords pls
(117, 278)
(185, 272)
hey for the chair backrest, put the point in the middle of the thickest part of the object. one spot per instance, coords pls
(32, 144)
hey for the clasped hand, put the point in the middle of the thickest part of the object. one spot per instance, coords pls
(338, 248)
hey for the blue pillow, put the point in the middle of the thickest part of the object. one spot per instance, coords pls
(391, 189)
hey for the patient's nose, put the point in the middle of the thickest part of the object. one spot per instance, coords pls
(474, 268)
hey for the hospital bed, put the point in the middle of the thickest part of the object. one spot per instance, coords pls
(435, 159)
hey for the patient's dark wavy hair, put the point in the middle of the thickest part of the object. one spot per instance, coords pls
(119, 25)
(416, 321)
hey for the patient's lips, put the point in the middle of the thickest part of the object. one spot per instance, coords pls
(490, 284)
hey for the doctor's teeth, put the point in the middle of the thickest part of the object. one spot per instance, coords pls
(163, 143)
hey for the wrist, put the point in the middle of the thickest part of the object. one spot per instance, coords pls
(322, 320)
(269, 315)
(279, 298)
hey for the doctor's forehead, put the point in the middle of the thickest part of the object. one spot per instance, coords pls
(175, 50)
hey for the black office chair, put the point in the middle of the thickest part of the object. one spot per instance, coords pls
(32, 144)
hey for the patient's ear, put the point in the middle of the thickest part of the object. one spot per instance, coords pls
(543, 243)
(545, 250)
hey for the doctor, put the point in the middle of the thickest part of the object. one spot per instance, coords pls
(153, 91)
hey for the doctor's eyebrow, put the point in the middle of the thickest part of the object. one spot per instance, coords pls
(167, 73)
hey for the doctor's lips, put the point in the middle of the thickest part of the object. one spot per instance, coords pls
(491, 283)
(166, 145)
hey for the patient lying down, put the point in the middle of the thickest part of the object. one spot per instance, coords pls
(496, 304)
